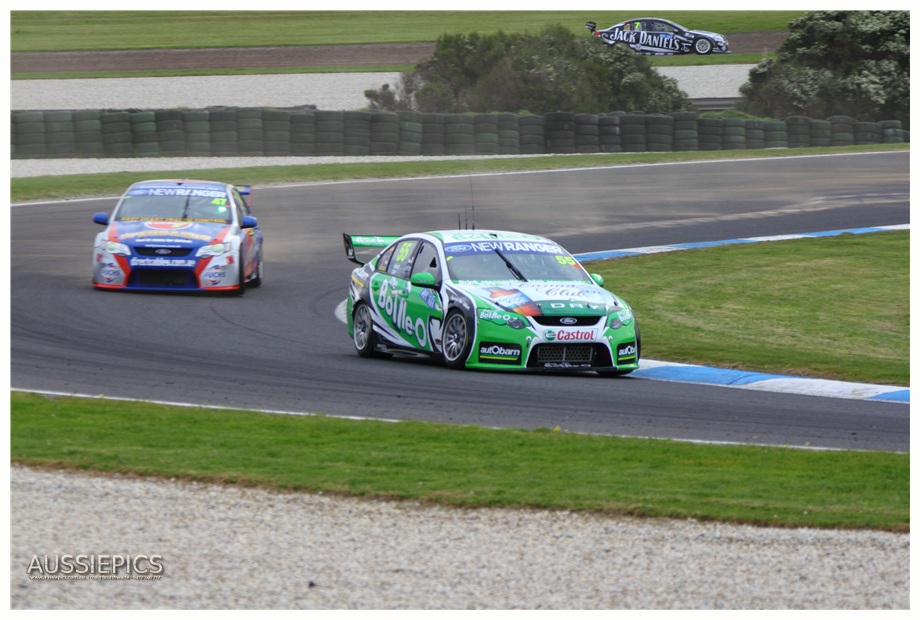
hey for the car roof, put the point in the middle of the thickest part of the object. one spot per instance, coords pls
(180, 183)
(453, 236)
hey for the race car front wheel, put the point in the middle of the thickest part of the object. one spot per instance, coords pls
(456, 340)
(702, 46)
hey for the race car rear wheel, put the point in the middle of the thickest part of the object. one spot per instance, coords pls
(702, 46)
(363, 333)
(456, 340)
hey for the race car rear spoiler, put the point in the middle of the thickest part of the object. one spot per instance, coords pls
(361, 242)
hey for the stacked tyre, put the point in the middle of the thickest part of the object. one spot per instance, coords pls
(509, 134)
(250, 131)
(170, 132)
(433, 134)
(384, 133)
(820, 132)
(303, 132)
(533, 139)
(734, 134)
(798, 131)
(892, 133)
(28, 133)
(867, 133)
(116, 134)
(755, 136)
(659, 132)
(224, 135)
(608, 133)
(87, 126)
(330, 132)
(144, 133)
(775, 136)
(686, 131)
(59, 133)
(485, 131)
(632, 132)
(559, 130)
(276, 132)
(587, 133)
(842, 130)
(710, 134)
(357, 140)
(459, 134)
(197, 126)
(410, 133)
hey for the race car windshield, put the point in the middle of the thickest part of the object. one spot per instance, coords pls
(520, 260)
(172, 208)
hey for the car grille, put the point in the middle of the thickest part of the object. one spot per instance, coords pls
(567, 321)
(582, 355)
(179, 278)
(171, 252)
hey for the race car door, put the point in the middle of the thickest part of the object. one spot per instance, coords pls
(413, 313)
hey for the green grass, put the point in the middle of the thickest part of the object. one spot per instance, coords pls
(834, 307)
(111, 184)
(467, 466)
(122, 30)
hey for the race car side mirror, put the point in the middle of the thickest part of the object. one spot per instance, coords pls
(423, 279)
(598, 279)
(101, 218)
(249, 222)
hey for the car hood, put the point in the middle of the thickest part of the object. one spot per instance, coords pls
(169, 234)
(546, 298)
(711, 35)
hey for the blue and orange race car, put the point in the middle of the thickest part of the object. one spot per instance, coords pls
(179, 235)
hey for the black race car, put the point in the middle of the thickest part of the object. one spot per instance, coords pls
(653, 36)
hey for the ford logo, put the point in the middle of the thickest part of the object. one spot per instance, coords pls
(164, 251)
(568, 320)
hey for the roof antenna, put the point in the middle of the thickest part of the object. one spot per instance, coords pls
(472, 202)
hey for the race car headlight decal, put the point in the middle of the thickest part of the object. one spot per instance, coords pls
(215, 249)
(615, 322)
(113, 247)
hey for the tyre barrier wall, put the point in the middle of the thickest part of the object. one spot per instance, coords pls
(303, 132)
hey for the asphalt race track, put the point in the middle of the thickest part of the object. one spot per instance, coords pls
(280, 347)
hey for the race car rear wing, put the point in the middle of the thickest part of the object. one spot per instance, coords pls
(353, 243)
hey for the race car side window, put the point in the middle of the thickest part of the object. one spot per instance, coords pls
(401, 263)
(427, 261)
(384, 259)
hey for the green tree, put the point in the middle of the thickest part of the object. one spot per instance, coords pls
(854, 63)
(551, 71)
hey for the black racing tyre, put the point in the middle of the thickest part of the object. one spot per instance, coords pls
(456, 340)
(256, 281)
(702, 46)
(363, 334)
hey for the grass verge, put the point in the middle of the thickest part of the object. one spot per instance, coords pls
(833, 307)
(467, 466)
(113, 183)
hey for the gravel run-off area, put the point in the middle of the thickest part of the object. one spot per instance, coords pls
(226, 547)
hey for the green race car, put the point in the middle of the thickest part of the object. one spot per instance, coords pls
(486, 299)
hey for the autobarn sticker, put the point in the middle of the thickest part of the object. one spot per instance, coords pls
(627, 353)
(499, 353)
